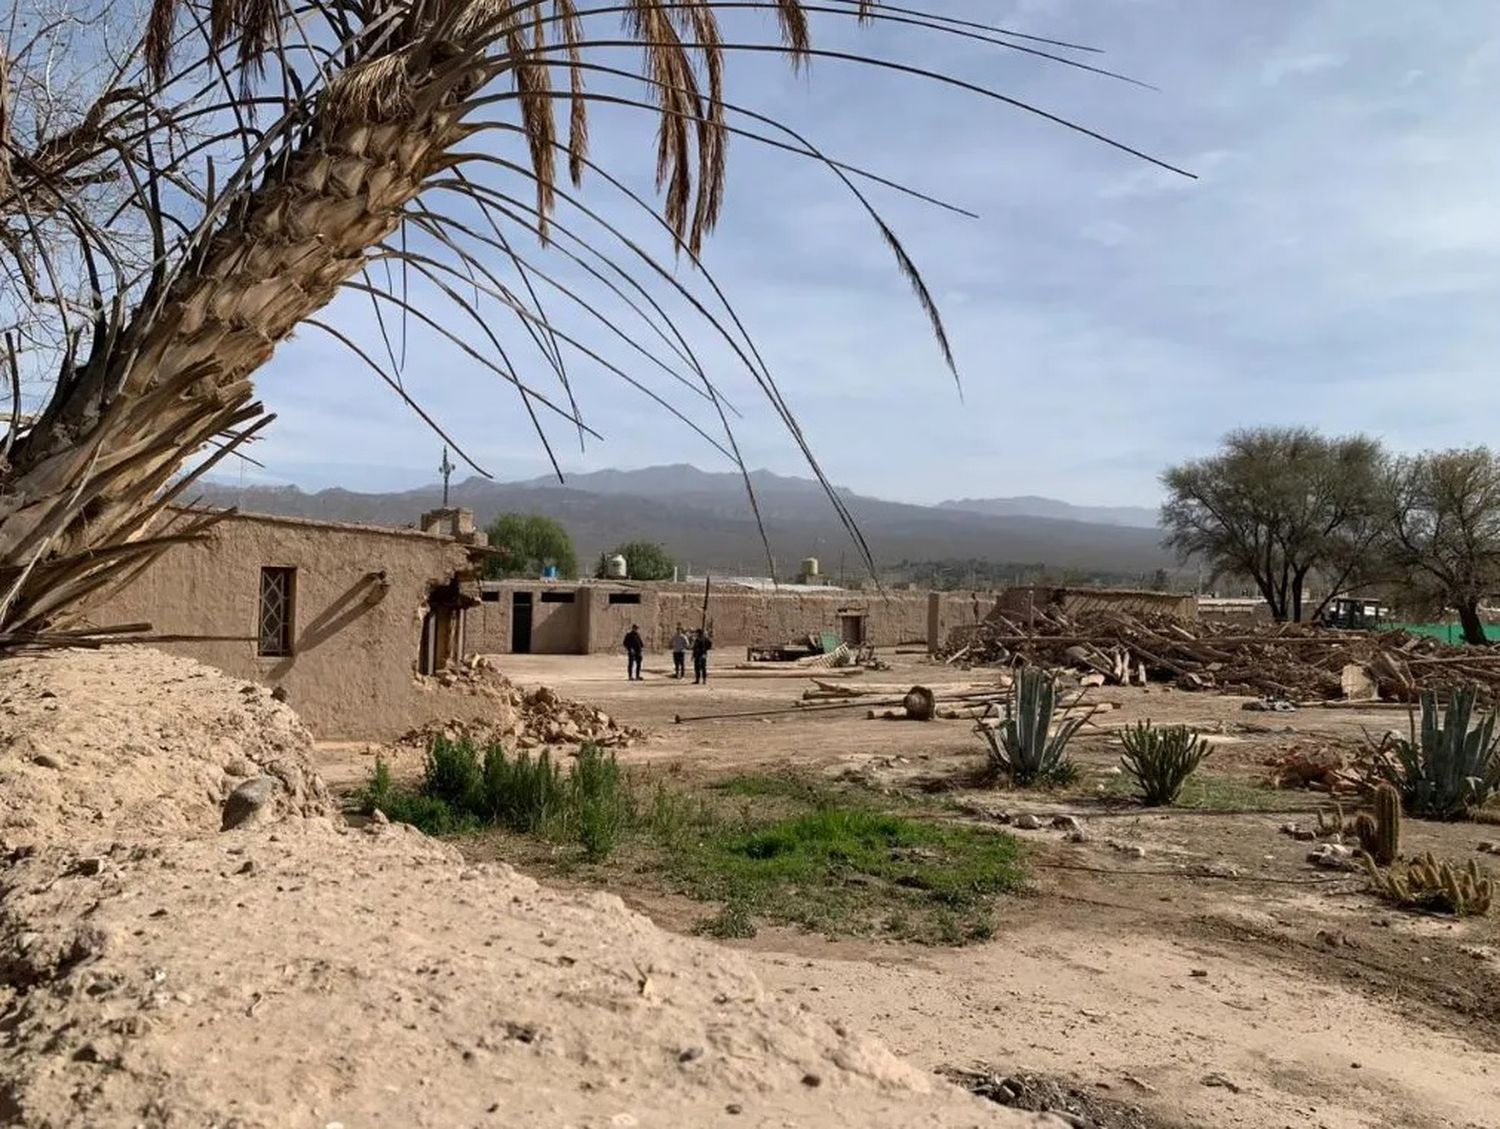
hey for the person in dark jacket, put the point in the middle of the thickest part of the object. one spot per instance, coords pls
(702, 644)
(634, 649)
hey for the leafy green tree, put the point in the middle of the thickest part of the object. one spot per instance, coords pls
(644, 560)
(1277, 506)
(528, 543)
(1442, 538)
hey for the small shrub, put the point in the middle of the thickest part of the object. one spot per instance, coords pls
(1026, 748)
(429, 814)
(452, 774)
(1446, 770)
(1161, 760)
(1432, 886)
(377, 793)
(494, 783)
(518, 793)
(732, 922)
(462, 792)
(599, 802)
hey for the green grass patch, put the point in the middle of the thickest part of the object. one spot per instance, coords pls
(853, 869)
(760, 849)
(1206, 791)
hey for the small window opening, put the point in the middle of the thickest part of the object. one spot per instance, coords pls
(557, 597)
(278, 592)
(624, 597)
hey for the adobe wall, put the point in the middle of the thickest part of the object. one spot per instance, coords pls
(557, 623)
(949, 610)
(355, 639)
(556, 626)
(487, 630)
(601, 614)
(740, 618)
(1075, 601)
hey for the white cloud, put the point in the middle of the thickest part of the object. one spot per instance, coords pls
(1337, 263)
(1279, 69)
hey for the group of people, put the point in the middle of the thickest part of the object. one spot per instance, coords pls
(699, 643)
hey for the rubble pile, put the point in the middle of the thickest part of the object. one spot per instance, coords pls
(1286, 661)
(519, 719)
(1325, 766)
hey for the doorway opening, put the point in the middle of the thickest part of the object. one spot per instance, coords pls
(520, 623)
(852, 629)
(443, 628)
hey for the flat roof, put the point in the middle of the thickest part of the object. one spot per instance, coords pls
(232, 514)
(693, 584)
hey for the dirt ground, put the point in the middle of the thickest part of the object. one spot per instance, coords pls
(1189, 962)
(192, 936)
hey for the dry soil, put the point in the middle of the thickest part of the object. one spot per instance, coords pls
(1217, 980)
(158, 971)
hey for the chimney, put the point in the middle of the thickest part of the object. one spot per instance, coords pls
(456, 522)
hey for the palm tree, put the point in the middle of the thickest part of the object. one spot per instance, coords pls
(275, 152)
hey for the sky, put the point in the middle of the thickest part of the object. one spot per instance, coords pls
(1335, 263)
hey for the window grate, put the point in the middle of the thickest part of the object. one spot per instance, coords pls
(277, 592)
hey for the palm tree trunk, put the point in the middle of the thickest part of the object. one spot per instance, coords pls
(88, 474)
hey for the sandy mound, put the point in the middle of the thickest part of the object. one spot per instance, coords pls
(129, 741)
(157, 972)
(517, 718)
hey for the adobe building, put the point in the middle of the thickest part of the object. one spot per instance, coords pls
(338, 616)
(345, 618)
(588, 617)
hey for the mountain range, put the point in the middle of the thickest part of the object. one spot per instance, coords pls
(1137, 517)
(704, 519)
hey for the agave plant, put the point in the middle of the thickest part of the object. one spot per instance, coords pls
(1031, 743)
(1447, 768)
(276, 152)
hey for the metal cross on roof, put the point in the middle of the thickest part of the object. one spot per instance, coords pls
(446, 470)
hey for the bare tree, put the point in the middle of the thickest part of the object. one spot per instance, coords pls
(276, 152)
(1277, 506)
(1443, 532)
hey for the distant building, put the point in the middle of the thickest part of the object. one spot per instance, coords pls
(571, 617)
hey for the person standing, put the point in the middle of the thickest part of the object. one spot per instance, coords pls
(634, 649)
(679, 653)
(702, 644)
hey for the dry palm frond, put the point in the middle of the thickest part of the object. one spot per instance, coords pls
(275, 152)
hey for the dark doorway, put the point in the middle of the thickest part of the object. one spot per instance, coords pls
(852, 629)
(520, 623)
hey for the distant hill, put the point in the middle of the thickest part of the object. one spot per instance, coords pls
(705, 520)
(1139, 517)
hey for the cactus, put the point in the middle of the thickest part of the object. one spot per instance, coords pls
(1387, 825)
(1161, 760)
(1380, 834)
(1433, 886)
(1447, 770)
(1331, 825)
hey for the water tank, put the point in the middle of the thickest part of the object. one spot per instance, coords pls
(809, 566)
(615, 567)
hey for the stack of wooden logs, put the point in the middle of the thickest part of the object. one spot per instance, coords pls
(1292, 662)
(970, 701)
